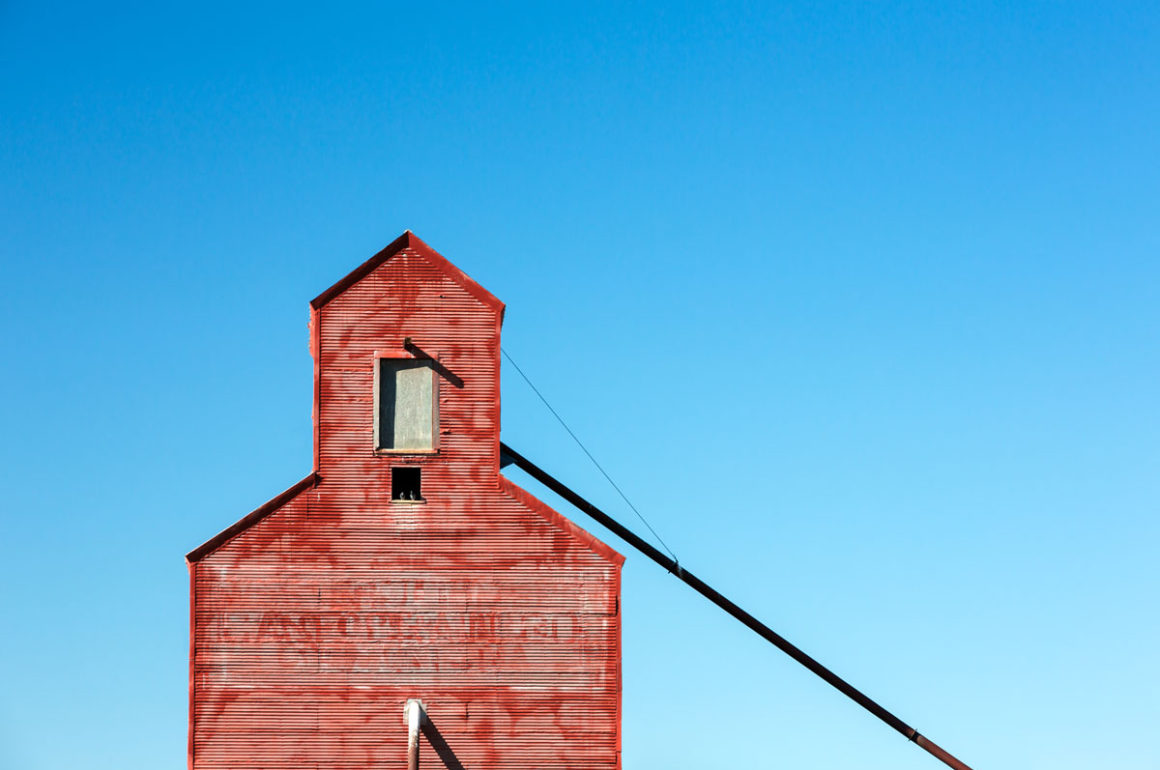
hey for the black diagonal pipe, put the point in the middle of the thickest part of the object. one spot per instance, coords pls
(698, 585)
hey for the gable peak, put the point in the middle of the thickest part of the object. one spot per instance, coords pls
(408, 241)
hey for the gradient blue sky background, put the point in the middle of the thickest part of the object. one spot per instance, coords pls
(860, 304)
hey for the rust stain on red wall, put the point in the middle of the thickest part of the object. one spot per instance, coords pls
(317, 616)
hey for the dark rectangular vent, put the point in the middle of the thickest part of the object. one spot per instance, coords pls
(406, 484)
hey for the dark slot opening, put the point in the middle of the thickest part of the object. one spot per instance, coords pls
(406, 484)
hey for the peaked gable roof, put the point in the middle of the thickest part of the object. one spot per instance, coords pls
(560, 522)
(408, 240)
(250, 519)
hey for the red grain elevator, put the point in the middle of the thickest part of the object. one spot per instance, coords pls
(405, 566)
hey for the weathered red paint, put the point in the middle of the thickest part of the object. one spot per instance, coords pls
(316, 617)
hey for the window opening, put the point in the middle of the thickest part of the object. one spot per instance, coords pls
(406, 484)
(406, 405)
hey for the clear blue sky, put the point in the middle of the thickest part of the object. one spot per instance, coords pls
(860, 304)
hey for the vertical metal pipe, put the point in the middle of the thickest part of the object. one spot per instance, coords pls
(413, 714)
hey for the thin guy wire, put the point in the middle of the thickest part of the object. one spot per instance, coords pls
(584, 449)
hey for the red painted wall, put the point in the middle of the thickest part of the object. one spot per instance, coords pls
(316, 617)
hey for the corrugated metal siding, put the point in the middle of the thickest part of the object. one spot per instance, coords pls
(312, 627)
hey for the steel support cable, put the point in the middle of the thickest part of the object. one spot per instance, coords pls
(753, 623)
(584, 449)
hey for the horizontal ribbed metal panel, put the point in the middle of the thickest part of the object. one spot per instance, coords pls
(313, 625)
